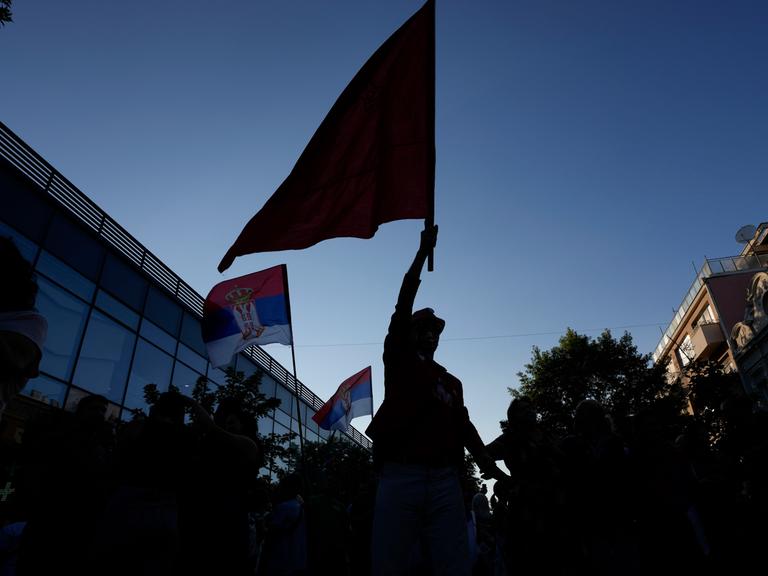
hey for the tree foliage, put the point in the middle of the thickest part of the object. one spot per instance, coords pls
(605, 369)
(710, 390)
(245, 392)
(470, 480)
(336, 468)
(6, 15)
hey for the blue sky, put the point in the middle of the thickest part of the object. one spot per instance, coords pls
(587, 152)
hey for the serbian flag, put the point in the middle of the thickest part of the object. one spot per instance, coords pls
(353, 398)
(251, 309)
(371, 161)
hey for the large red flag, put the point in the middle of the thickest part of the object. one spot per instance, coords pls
(371, 161)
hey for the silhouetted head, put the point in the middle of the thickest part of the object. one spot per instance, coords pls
(425, 331)
(521, 414)
(230, 416)
(289, 487)
(590, 419)
(169, 408)
(92, 409)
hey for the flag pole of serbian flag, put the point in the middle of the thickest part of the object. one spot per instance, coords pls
(371, 161)
(353, 398)
(251, 309)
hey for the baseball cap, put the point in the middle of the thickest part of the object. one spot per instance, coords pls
(427, 315)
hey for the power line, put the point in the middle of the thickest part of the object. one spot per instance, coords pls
(496, 337)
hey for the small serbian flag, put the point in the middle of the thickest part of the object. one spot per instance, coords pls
(251, 309)
(353, 398)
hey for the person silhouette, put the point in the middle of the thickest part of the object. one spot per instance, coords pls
(420, 432)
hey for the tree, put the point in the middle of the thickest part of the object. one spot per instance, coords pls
(244, 390)
(336, 468)
(470, 481)
(6, 15)
(254, 405)
(710, 390)
(605, 369)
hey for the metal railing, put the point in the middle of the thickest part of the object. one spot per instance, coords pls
(51, 182)
(711, 267)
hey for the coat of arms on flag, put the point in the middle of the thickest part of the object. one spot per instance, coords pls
(251, 309)
(353, 398)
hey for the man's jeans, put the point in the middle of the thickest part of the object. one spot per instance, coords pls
(424, 505)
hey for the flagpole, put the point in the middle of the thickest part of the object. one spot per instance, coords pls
(431, 152)
(298, 402)
(293, 358)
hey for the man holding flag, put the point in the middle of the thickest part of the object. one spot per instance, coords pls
(419, 435)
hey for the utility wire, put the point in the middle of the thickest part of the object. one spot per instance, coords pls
(497, 337)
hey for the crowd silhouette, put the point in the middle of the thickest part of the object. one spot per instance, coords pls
(181, 490)
(161, 496)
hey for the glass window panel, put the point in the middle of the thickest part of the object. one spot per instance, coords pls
(286, 399)
(311, 436)
(124, 281)
(245, 365)
(27, 248)
(267, 386)
(193, 359)
(686, 352)
(184, 378)
(324, 434)
(706, 316)
(69, 278)
(117, 309)
(265, 425)
(73, 245)
(280, 429)
(304, 417)
(311, 423)
(150, 366)
(191, 334)
(158, 336)
(46, 390)
(105, 357)
(66, 317)
(216, 375)
(163, 311)
(283, 418)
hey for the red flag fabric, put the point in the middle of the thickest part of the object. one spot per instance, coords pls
(372, 159)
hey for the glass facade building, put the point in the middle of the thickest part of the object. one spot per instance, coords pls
(118, 317)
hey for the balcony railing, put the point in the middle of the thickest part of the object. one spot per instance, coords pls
(711, 267)
(39, 171)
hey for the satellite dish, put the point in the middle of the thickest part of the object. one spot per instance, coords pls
(745, 234)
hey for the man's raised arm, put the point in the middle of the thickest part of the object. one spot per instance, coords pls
(411, 280)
